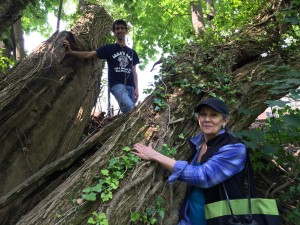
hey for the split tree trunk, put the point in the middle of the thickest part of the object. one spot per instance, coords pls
(46, 100)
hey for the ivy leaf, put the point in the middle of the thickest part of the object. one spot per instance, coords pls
(89, 197)
(91, 221)
(106, 196)
(152, 221)
(114, 184)
(150, 211)
(268, 149)
(127, 149)
(161, 213)
(101, 216)
(180, 136)
(159, 202)
(278, 103)
(105, 172)
(113, 162)
(118, 174)
(291, 120)
(293, 20)
(97, 188)
(87, 190)
(134, 216)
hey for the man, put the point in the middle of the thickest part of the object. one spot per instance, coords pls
(122, 61)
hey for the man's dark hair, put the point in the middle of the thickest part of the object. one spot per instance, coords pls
(119, 22)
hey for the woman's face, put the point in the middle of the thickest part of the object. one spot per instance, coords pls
(211, 121)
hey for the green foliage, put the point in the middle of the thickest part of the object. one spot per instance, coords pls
(271, 140)
(5, 63)
(294, 193)
(172, 27)
(160, 96)
(98, 219)
(110, 180)
(194, 76)
(168, 151)
(288, 78)
(111, 177)
(277, 141)
(149, 214)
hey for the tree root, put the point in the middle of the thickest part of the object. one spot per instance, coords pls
(121, 192)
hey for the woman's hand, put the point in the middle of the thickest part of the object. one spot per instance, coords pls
(143, 151)
(148, 153)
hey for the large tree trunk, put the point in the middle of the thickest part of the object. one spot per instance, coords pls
(146, 181)
(46, 101)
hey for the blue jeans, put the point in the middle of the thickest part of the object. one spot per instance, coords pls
(124, 95)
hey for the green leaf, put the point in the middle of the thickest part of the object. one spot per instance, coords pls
(278, 103)
(249, 111)
(291, 120)
(152, 221)
(160, 201)
(118, 174)
(150, 211)
(101, 216)
(180, 136)
(161, 213)
(97, 188)
(127, 149)
(87, 190)
(89, 197)
(113, 162)
(91, 221)
(134, 216)
(293, 20)
(268, 149)
(105, 172)
(106, 196)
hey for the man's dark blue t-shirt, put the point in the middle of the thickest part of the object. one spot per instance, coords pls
(120, 60)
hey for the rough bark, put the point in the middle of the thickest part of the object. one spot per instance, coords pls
(46, 100)
(147, 180)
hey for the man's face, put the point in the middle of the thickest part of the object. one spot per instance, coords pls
(120, 31)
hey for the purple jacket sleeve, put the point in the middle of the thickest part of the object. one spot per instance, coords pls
(228, 161)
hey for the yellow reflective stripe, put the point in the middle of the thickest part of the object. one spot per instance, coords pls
(240, 207)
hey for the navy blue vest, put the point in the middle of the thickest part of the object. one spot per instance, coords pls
(234, 185)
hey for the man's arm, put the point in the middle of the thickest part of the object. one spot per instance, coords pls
(136, 84)
(79, 54)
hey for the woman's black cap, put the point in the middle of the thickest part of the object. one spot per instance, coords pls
(215, 103)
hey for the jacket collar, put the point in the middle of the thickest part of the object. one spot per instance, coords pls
(199, 139)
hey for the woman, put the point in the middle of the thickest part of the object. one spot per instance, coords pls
(218, 158)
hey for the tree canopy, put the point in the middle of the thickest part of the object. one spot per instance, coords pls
(166, 26)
